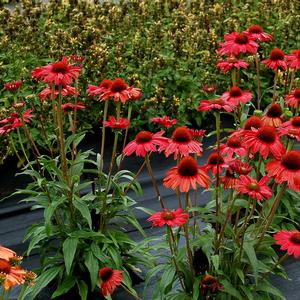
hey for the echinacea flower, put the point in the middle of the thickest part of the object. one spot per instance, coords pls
(241, 168)
(144, 143)
(237, 43)
(215, 163)
(236, 96)
(71, 106)
(103, 86)
(290, 128)
(29, 278)
(210, 89)
(293, 59)
(66, 90)
(181, 144)
(229, 180)
(256, 32)
(58, 73)
(110, 279)
(289, 240)
(169, 217)
(230, 63)
(164, 121)
(286, 169)
(114, 123)
(11, 275)
(118, 91)
(293, 98)
(215, 104)
(13, 85)
(265, 141)
(135, 93)
(253, 122)
(197, 133)
(273, 116)
(276, 60)
(257, 190)
(6, 253)
(233, 146)
(210, 284)
(186, 176)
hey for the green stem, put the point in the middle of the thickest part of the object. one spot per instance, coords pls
(292, 80)
(218, 123)
(2, 293)
(14, 148)
(22, 293)
(102, 143)
(279, 262)
(258, 79)
(8, 294)
(274, 88)
(233, 77)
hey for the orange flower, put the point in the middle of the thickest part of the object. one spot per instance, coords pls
(13, 275)
(6, 253)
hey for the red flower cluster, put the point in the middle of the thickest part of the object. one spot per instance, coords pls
(293, 59)
(256, 32)
(110, 279)
(293, 98)
(276, 60)
(13, 85)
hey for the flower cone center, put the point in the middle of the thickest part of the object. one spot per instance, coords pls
(118, 85)
(235, 91)
(218, 101)
(255, 29)
(143, 137)
(4, 266)
(234, 142)
(254, 122)
(188, 167)
(60, 67)
(274, 111)
(181, 135)
(277, 54)
(296, 121)
(214, 159)
(253, 186)
(241, 39)
(291, 160)
(106, 83)
(168, 215)
(296, 238)
(105, 274)
(267, 134)
(297, 93)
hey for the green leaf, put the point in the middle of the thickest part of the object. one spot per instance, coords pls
(229, 289)
(83, 289)
(92, 264)
(69, 250)
(84, 210)
(44, 279)
(215, 260)
(64, 287)
(249, 249)
(268, 288)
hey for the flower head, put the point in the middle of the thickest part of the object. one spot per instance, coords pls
(118, 91)
(293, 59)
(229, 180)
(273, 116)
(237, 43)
(210, 89)
(276, 60)
(230, 63)
(253, 122)
(286, 169)
(197, 133)
(289, 240)
(58, 73)
(29, 278)
(215, 104)
(169, 217)
(236, 96)
(293, 98)
(182, 144)
(210, 284)
(265, 141)
(257, 190)
(145, 142)
(65, 91)
(233, 146)
(71, 106)
(164, 121)
(110, 279)
(186, 175)
(103, 86)
(215, 163)
(114, 123)
(291, 128)
(13, 85)
(6, 253)
(256, 32)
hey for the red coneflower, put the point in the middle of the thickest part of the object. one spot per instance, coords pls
(197, 133)
(256, 32)
(293, 59)
(291, 128)
(276, 60)
(6, 253)
(182, 144)
(293, 98)
(210, 284)
(120, 123)
(65, 91)
(210, 89)
(169, 217)
(60, 72)
(289, 240)
(145, 142)
(230, 63)
(257, 190)
(13, 275)
(215, 104)
(71, 106)
(253, 122)
(233, 146)
(110, 279)
(287, 169)
(229, 180)
(164, 121)
(13, 85)
(236, 96)
(214, 160)
(117, 91)
(240, 167)
(273, 115)
(94, 90)
(135, 93)
(264, 140)
(186, 175)
(236, 43)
